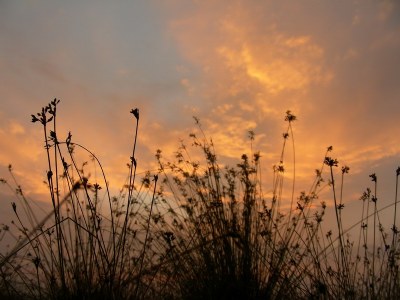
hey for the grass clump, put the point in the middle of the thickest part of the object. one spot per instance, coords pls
(84, 248)
(194, 230)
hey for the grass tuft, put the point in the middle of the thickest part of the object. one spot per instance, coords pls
(193, 230)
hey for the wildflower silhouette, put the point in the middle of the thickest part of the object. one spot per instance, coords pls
(373, 177)
(196, 229)
(331, 162)
(135, 112)
(290, 117)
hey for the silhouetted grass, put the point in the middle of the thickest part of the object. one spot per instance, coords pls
(205, 231)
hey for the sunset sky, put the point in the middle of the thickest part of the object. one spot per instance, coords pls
(236, 65)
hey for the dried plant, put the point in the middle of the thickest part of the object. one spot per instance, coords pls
(193, 230)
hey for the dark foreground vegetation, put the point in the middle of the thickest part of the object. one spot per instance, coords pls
(193, 230)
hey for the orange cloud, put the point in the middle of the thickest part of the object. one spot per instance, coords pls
(23, 150)
(254, 61)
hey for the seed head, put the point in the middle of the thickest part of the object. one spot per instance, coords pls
(332, 162)
(373, 177)
(135, 112)
(345, 169)
(251, 135)
(290, 117)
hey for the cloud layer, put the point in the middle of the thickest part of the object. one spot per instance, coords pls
(237, 65)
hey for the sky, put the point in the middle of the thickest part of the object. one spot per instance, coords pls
(237, 65)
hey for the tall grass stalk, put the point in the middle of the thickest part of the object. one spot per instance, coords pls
(198, 230)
